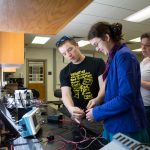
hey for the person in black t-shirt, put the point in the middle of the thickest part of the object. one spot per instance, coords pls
(80, 79)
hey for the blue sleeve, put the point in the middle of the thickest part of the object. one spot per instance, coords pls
(127, 86)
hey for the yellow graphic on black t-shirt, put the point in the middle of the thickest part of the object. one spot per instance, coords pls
(81, 82)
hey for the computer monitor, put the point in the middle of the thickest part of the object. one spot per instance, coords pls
(6, 118)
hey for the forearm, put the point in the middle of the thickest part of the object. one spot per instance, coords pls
(99, 98)
(67, 101)
(145, 84)
(66, 97)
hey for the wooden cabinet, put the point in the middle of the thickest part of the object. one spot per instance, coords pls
(11, 48)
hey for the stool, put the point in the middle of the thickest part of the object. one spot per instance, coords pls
(57, 93)
(58, 103)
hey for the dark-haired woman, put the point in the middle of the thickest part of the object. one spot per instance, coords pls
(122, 110)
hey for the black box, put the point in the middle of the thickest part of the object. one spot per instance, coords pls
(55, 118)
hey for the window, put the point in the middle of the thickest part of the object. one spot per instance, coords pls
(36, 72)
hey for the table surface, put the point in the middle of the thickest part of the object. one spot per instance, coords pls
(67, 135)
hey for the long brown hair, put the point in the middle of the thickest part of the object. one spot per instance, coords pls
(101, 28)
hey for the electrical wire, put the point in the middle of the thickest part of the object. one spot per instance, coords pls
(88, 144)
(63, 146)
(60, 138)
(85, 133)
(66, 141)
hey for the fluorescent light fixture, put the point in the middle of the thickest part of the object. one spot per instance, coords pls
(82, 43)
(9, 69)
(17, 66)
(40, 40)
(137, 50)
(140, 15)
(136, 40)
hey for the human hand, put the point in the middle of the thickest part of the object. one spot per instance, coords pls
(76, 120)
(89, 115)
(91, 104)
(76, 113)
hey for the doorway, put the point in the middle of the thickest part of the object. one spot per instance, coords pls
(36, 73)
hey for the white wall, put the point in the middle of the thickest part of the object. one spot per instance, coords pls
(39, 53)
(60, 63)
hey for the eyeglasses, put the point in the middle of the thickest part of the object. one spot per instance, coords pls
(62, 40)
(96, 45)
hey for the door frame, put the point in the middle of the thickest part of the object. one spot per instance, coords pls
(27, 72)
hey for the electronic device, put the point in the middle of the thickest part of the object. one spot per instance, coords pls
(6, 117)
(23, 97)
(55, 118)
(30, 122)
(22, 111)
(19, 81)
(123, 142)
